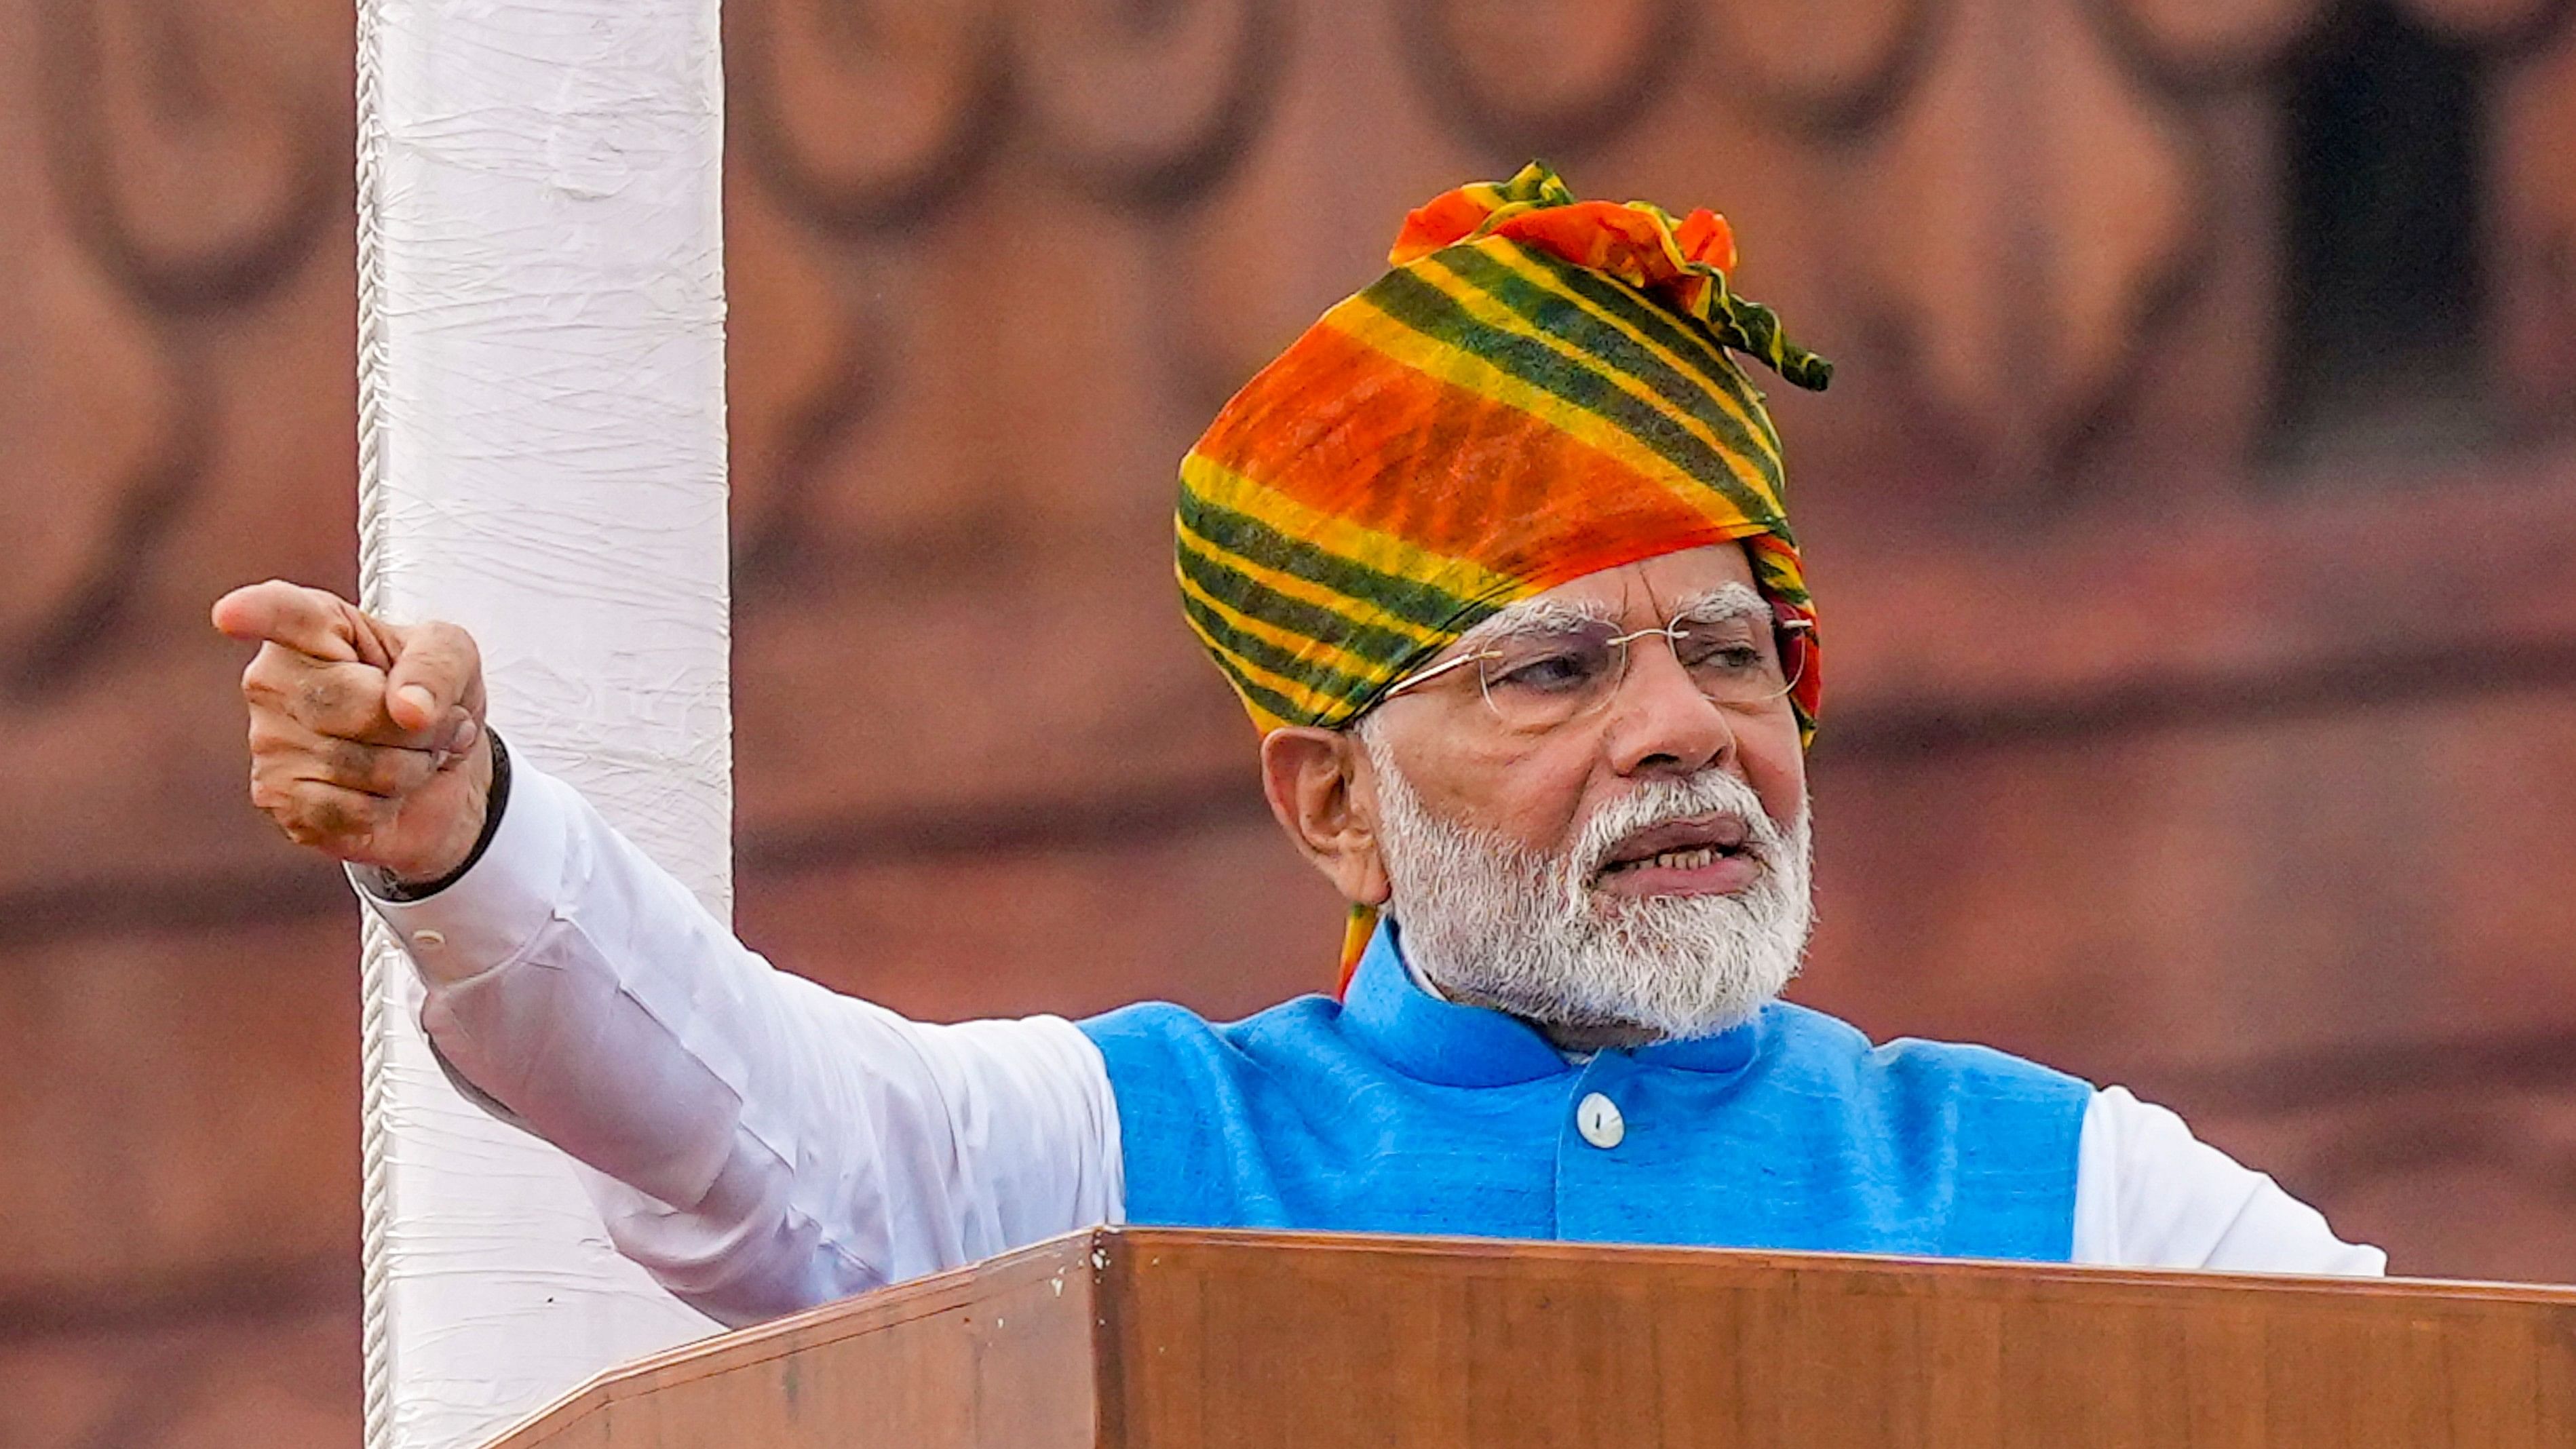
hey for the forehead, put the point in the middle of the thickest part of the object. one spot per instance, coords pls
(1650, 587)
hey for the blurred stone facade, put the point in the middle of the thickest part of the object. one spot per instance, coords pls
(2192, 518)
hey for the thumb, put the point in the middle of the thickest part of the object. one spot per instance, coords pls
(437, 671)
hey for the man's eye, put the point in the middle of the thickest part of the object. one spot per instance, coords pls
(1551, 673)
(1721, 657)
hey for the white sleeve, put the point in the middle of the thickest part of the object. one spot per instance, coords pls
(2148, 1194)
(758, 1142)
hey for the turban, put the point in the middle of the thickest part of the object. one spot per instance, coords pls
(1540, 388)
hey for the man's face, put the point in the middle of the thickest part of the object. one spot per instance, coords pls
(1536, 790)
(1639, 867)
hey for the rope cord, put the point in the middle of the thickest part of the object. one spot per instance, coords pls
(376, 973)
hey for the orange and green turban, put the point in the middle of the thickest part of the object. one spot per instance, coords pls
(1539, 389)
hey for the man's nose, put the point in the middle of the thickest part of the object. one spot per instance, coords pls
(1659, 722)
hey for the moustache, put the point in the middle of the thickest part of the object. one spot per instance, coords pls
(1711, 794)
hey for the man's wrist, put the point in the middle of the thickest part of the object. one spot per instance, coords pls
(496, 799)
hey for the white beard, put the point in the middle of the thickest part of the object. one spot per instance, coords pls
(1522, 931)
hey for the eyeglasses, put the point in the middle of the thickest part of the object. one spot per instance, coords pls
(1540, 676)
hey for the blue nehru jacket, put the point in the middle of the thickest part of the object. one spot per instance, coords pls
(1395, 1111)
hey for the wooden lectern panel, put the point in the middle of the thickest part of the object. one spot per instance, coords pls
(997, 1354)
(1170, 1339)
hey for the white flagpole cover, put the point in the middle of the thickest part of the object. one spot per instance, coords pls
(542, 459)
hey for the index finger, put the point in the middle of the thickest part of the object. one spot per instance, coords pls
(311, 622)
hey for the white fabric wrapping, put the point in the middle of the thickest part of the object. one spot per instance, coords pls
(542, 448)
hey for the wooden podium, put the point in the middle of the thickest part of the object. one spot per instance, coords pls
(1164, 1339)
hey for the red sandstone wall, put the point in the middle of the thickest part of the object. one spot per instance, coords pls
(2246, 784)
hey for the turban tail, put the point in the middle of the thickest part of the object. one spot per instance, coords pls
(1539, 389)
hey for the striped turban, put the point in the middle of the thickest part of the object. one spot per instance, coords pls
(1541, 388)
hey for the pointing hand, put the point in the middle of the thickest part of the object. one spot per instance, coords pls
(366, 738)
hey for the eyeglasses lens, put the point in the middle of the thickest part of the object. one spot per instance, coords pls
(1542, 677)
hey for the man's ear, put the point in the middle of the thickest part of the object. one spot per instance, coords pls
(1323, 794)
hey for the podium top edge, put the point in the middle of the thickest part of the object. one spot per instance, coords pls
(1130, 1239)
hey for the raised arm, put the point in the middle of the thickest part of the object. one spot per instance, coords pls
(758, 1142)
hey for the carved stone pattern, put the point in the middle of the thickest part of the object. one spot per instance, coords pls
(194, 176)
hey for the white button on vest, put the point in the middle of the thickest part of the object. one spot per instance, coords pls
(1598, 1119)
(428, 940)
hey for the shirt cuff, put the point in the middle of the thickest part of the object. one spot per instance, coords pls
(493, 913)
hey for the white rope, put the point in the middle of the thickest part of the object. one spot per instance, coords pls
(378, 955)
(375, 1340)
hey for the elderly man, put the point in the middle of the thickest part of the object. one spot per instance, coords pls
(1495, 557)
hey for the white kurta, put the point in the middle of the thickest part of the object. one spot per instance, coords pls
(763, 1144)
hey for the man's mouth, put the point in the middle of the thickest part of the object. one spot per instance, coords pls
(1705, 855)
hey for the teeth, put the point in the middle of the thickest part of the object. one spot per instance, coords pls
(1678, 859)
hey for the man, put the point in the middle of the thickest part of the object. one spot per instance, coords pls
(1495, 557)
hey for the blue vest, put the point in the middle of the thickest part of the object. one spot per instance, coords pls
(1395, 1111)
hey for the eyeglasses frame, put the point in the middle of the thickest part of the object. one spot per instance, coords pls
(1670, 630)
